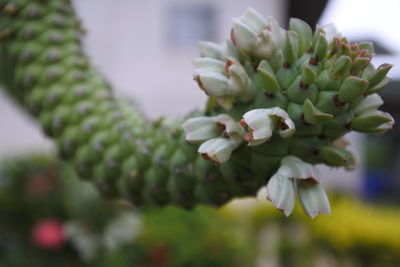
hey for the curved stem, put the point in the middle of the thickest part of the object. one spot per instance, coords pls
(44, 68)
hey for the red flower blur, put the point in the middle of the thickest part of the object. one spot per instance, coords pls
(48, 234)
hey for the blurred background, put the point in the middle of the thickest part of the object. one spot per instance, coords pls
(146, 48)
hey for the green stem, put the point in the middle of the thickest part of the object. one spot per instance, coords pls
(44, 68)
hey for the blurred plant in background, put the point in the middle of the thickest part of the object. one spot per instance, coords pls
(49, 218)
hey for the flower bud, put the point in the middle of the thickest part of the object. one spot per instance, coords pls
(373, 121)
(243, 36)
(253, 19)
(351, 88)
(277, 32)
(199, 129)
(218, 150)
(268, 79)
(246, 30)
(213, 83)
(291, 47)
(266, 45)
(210, 49)
(370, 103)
(379, 74)
(304, 32)
(239, 81)
(336, 156)
(210, 64)
(320, 46)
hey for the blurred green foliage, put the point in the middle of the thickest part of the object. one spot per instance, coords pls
(243, 233)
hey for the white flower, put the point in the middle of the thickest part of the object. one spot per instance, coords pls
(253, 19)
(218, 150)
(262, 123)
(239, 81)
(199, 129)
(230, 127)
(243, 36)
(313, 197)
(266, 44)
(281, 191)
(297, 177)
(213, 83)
(223, 80)
(252, 33)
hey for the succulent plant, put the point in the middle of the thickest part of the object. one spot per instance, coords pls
(279, 101)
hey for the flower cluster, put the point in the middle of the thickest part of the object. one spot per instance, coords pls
(220, 135)
(280, 81)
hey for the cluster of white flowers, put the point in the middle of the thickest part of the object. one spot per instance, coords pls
(220, 135)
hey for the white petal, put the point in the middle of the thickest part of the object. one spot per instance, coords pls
(205, 147)
(214, 83)
(218, 149)
(211, 64)
(199, 129)
(254, 19)
(262, 126)
(230, 50)
(313, 199)
(232, 127)
(371, 102)
(277, 32)
(260, 123)
(210, 49)
(266, 45)
(245, 38)
(256, 118)
(280, 113)
(294, 168)
(281, 192)
(221, 150)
